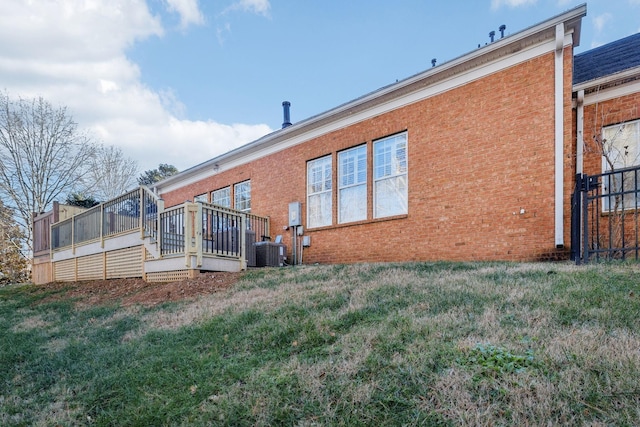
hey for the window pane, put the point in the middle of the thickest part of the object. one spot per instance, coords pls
(222, 197)
(319, 195)
(319, 213)
(621, 149)
(620, 146)
(391, 196)
(353, 203)
(390, 176)
(242, 193)
(352, 172)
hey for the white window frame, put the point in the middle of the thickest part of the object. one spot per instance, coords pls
(352, 184)
(320, 192)
(390, 173)
(221, 197)
(242, 196)
(621, 146)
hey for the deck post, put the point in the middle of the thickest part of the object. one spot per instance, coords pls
(243, 242)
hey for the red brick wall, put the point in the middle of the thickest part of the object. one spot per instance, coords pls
(477, 155)
(602, 114)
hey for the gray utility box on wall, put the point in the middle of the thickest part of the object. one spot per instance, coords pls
(270, 254)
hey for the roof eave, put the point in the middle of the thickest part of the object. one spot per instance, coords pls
(572, 20)
(608, 79)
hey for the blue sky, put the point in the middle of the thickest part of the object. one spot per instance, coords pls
(180, 81)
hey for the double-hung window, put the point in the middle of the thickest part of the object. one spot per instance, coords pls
(319, 195)
(221, 197)
(621, 150)
(352, 184)
(242, 196)
(390, 176)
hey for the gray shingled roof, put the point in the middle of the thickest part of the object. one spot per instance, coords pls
(608, 59)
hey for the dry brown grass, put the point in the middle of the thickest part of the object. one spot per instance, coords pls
(393, 344)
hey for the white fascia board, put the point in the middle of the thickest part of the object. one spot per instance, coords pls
(478, 67)
(612, 93)
(606, 80)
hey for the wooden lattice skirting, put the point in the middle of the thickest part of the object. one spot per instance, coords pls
(118, 264)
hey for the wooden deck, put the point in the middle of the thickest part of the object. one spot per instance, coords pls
(134, 236)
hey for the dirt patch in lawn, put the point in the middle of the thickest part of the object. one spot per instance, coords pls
(136, 291)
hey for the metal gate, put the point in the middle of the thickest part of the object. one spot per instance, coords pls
(605, 217)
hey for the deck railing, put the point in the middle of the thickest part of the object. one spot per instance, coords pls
(136, 209)
(172, 231)
(221, 231)
(192, 230)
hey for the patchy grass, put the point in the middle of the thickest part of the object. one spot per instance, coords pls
(383, 344)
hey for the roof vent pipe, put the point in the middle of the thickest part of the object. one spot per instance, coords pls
(502, 28)
(492, 34)
(433, 62)
(287, 116)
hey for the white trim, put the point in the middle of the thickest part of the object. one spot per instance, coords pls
(559, 135)
(622, 75)
(429, 91)
(612, 93)
(580, 132)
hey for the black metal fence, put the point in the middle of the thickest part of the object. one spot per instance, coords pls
(605, 218)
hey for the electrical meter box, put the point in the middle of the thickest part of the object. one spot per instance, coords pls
(295, 214)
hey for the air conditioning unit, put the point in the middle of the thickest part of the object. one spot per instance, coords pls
(270, 254)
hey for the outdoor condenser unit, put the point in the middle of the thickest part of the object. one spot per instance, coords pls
(270, 254)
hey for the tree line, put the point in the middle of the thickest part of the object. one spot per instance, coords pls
(46, 157)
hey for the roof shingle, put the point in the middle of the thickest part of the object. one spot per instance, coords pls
(608, 59)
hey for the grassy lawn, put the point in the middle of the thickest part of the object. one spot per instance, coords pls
(392, 344)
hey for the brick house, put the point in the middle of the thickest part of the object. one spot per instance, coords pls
(606, 86)
(470, 160)
(491, 156)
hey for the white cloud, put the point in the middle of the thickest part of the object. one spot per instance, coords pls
(497, 4)
(73, 53)
(222, 32)
(601, 20)
(188, 10)
(259, 7)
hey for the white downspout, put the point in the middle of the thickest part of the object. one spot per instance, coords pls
(559, 136)
(580, 132)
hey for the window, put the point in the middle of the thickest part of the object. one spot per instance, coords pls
(201, 198)
(390, 176)
(242, 196)
(352, 184)
(221, 197)
(621, 149)
(319, 196)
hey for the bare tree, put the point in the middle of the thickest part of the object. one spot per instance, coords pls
(13, 264)
(42, 155)
(111, 174)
